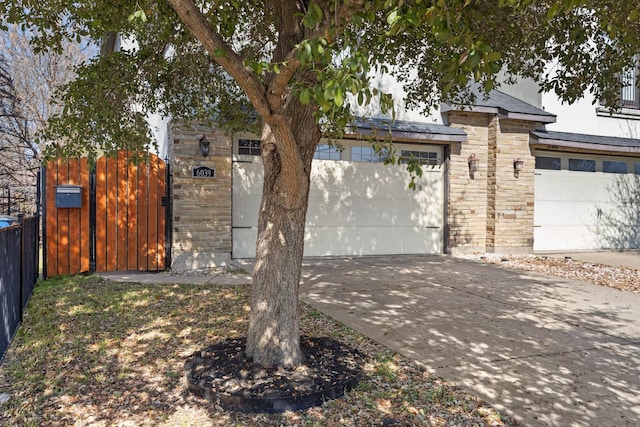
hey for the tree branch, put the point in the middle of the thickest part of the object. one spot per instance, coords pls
(222, 53)
(279, 84)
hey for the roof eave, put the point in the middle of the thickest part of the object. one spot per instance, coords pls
(554, 144)
(532, 117)
(501, 112)
(408, 136)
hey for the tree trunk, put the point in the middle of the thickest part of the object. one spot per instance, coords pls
(274, 328)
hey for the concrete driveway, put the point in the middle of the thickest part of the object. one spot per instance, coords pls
(546, 351)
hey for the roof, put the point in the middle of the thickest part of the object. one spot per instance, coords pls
(408, 130)
(503, 105)
(585, 142)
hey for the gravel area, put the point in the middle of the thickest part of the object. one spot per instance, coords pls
(622, 278)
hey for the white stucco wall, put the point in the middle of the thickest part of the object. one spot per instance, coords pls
(389, 84)
(583, 117)
(157, 122)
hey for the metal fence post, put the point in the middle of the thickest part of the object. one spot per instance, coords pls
(92, 219)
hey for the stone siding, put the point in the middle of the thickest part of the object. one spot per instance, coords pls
(467, 201)
(490, 210)
(493, 210)
(201, 206)
(514, 191)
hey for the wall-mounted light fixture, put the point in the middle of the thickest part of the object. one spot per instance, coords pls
(204, 146)
(474, 164)
(518, 165)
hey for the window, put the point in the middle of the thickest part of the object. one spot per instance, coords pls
(636, 168)
(367, 154)
(550, 163)
(326, 152)
(582, 165)
(423, 157)
(630, 92)
(249, 146)
(614, 167)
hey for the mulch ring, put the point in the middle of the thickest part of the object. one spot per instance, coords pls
(223, 373)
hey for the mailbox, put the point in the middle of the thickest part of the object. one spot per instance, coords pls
(68, 196)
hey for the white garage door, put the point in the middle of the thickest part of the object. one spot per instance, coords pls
(355, 208)
(585, 203)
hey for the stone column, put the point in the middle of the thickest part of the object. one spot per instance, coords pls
(201, 206)
(511, 193)
(491, 211)
(467, 201)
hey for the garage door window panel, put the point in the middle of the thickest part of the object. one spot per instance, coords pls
(428, 158)
(368, 154)
(249, 147)
(582, 165)
(609, 166)
(326, 152)
(548, 163)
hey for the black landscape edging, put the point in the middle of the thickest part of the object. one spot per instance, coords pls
(210, 371)
(271, 405)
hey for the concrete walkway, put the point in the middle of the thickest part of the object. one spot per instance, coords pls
(544, 350)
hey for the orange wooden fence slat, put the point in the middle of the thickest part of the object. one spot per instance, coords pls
(74, 221)
(152, 239)
(84, 216)
(101, 214)
(142, 216)
(51, 180)
(132, 225)
(112, 220)
(121, 211)
(63, 224)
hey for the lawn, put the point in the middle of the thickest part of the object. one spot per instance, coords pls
(99, 353)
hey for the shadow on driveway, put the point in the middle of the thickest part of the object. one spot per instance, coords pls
(544, 350)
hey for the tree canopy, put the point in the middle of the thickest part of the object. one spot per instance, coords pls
(434, 48)
(295, 69)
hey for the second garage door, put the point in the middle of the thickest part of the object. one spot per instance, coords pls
(585, 202)
(357, 206)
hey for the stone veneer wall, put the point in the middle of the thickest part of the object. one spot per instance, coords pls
(467, 201)
(513, 198)
(201, 206)
(493, 211)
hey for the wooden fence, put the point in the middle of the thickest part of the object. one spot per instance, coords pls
(121, 224)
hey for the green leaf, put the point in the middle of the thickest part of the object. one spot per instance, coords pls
(553, 10)
(305, 96)
(393, 17)
(339, 97)
(493, 56)
(473, 60)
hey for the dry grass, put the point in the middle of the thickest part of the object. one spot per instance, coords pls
(93, 352)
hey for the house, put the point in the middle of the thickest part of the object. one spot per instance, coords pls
(514, 173)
